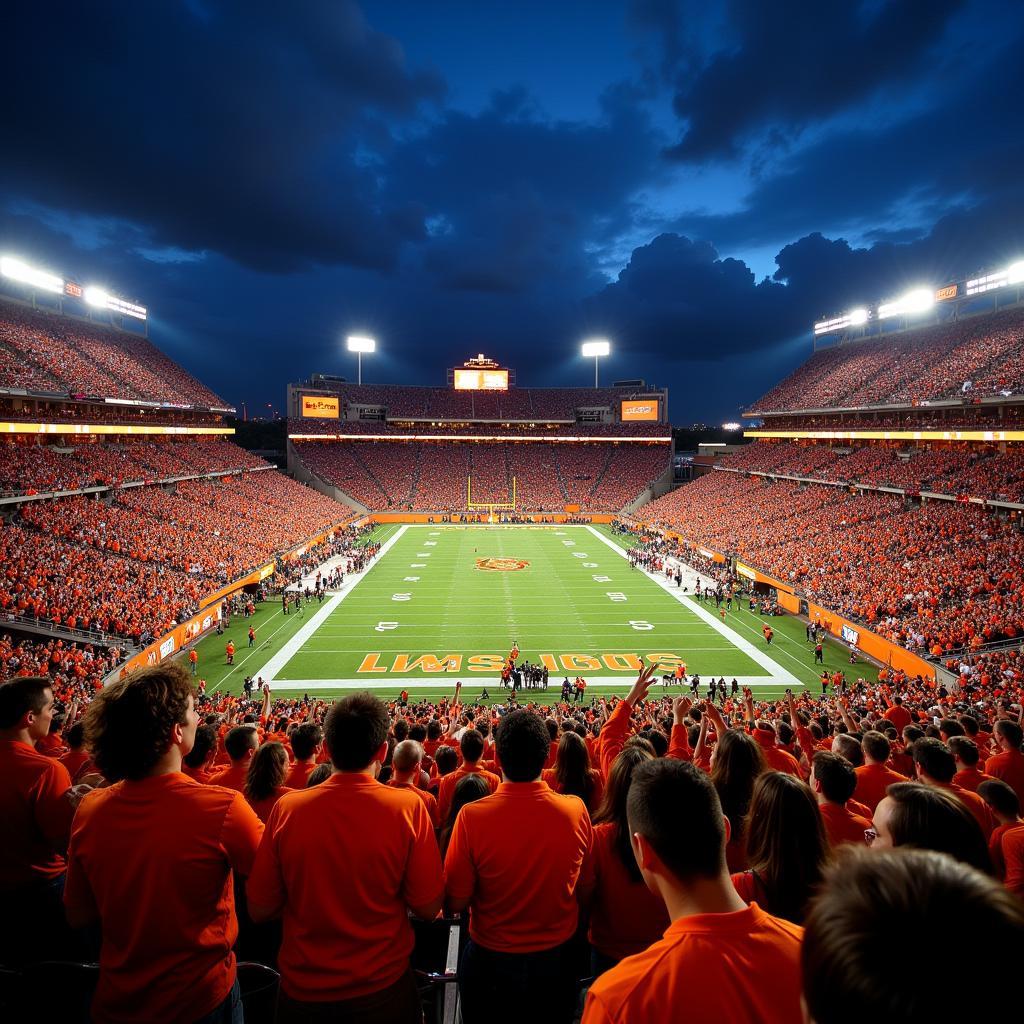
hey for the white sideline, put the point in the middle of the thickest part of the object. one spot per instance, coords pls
(472, 680)
(778, 673)
(291, 647)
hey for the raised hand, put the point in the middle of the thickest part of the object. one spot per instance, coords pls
(642, 684)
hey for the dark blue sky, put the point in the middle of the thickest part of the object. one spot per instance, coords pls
(698, 182)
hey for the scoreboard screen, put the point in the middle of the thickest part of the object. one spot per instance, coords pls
(481, 380)
(632, 411)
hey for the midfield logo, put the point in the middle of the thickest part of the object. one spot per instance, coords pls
(501, 564)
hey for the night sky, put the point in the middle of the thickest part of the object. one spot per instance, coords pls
(697, 182)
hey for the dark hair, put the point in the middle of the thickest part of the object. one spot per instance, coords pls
(930, 818)
(267, 770)
(787, 848)
(934, 758)
(674, 806)
(321, 773)
(857, 930)
(836, 775)
(658, 740)
(206, 740)
(446, 759)
(400, 730)
(1001, 797)
(433, 729)
(75, 735)
(1010, 731)
(356, 727)
(572, 768)
(613, 803)
(128, 725)
(240, 740)
(739, 760)
(471, 745)
(305, 739)
(876, 746)
(418, 732)
(20, 695)
(469, 788)
(965, 749)
(951, 727)
(523, 745)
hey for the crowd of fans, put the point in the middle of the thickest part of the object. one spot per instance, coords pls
(977, 357)
(140, 564)
(990, 416)
(938, 578)
(653, 856)
(41, 468)
(48, 352)
(975, 470)
(476, 428)
(432, 476)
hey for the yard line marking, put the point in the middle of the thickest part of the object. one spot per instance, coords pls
(288, 650)
(780, 674)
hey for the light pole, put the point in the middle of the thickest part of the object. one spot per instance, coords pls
(597, 347)
(359, 344)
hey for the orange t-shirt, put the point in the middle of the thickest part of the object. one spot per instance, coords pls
(518, 856)
(232, 777)
(153, 860)
(446, 789)
(842, 825)
(342, 862)
(298, 775)
(35, 813)
(625, 916)
(1009, 767)
(899, 716)
(872, 782)
(970, 779)
(1013, 857)
(268, 803)
(428, 799)
(694, 967)
(75, 761)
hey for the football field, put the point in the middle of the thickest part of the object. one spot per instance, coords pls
(443, 603)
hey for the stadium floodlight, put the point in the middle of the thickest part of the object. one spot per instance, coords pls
(858, 316)
(595, 349)
(916, 301)
(96, 297)
(104, 300)
(730, 426)
(18, 271)
(1015, 273)
(839, 323)
(359, 344)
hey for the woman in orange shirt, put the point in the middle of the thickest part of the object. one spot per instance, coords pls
(625, 916)
(264, 785)
(572, 774)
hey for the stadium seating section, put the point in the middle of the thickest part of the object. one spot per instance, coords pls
(982, 356)
(44, 352)
(939, 576)
(431, 476)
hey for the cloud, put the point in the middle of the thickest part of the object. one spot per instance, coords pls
(786, 65)
(222, 126)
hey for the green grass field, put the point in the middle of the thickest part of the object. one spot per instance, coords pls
(429, 612)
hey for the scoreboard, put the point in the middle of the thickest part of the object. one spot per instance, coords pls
(481, 380)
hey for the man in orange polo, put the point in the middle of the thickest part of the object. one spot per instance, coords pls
(406, 769)
(342, 864)
(472, 747)
(936, 766)
(874, 776)
(679, 835)
(306, 742)
(518, 860)
(36, 816)
(152, 857)
(833, 781)
(1008, 764)
(240, 743)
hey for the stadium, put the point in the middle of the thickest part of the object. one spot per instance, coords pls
(462, 698)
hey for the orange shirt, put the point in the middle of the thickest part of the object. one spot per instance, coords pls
(232, 777)
(201, 775)
(1013, 856)
(899, 716)
(1008, 766)
(518, 856)
(977, 807)
(153, 860)
(35, 813)
(298, 775)
(75, 761)
(842, 825)
(428, 799)
(970, 779)
(872, 782)
(446, 789)
(342, 861)
(995, 846)
(625, 916)
(694, 966)
(268, 803)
